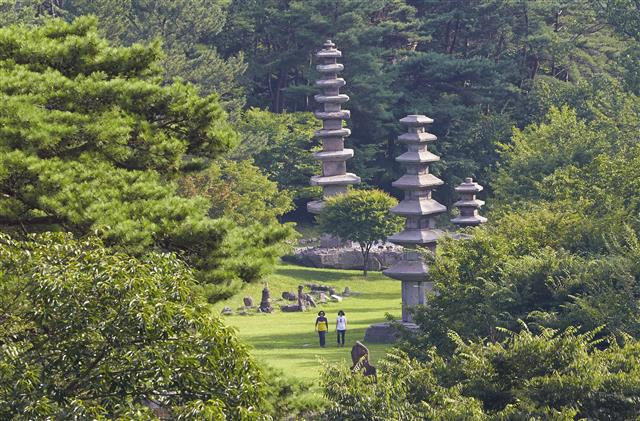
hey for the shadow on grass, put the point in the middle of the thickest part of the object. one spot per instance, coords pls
(332, 311)
(306, 340)
(320, 275)
(376, 295)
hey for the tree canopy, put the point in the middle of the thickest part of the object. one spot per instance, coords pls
(92, 141)
(360, 216)
(89, 333)
(552, 375)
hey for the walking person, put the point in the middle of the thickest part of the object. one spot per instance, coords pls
(322, 327)
(341, 327)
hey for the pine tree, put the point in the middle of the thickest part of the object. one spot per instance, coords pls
(91, 141)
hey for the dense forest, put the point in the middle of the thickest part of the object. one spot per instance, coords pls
(155, 157)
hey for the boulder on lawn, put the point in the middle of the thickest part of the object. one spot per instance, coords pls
(227, 311)
(332, 291)
(248, 301)
(336, 298)
(316, 287)
(346, 292)
(289, 296)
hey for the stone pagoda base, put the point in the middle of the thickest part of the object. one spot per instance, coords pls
(386, 333)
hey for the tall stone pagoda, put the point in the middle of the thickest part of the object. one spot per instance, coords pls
(468, 205)
(334, 179)
(420, 211)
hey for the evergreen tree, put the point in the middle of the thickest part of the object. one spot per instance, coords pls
(91, 141)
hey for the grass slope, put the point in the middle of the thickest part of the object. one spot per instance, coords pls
(287, 341)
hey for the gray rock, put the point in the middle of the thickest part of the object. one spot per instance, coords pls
(381, 333)
(291, 308)
(346, 257)
(346, 292)
(317, 287)
(332, 291)
(289, 296)
(248, 301)
(227, 311)
(336, 298)
(301, 298)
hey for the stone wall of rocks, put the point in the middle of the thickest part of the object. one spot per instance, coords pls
(381, 257)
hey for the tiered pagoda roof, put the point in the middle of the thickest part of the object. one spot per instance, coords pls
(468, 204)
(418, 207)
(334, 179)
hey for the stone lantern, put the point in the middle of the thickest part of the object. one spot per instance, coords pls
(468, 205)
(334, 179)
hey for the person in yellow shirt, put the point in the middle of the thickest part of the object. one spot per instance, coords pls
(322, 327)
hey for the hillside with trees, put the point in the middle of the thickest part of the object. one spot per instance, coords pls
(155, 158)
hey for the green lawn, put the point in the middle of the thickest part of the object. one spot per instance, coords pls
(287, 341)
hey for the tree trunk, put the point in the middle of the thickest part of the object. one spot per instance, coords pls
(455, 36)
(365, 257)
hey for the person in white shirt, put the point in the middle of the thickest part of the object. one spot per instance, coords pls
(341, 327)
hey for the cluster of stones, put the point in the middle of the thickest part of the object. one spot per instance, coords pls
(420, 211)
(468, 205)
(334, 179)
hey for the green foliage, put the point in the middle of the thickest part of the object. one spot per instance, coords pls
(372, 34)
(187, 30)
(468, 64)
(280, 145)
(552, 375)
(289, 398)
(87, 332)
(237, 190)
(522, 269)
(535, 153)
(91, 141)
(361, 216)
(30, 12)
(580, 164)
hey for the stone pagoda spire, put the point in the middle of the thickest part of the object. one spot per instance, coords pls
(334, 179)
(468, 204)
(420, 211)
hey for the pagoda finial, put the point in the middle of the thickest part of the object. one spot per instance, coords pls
(468, 205)
(334, 179)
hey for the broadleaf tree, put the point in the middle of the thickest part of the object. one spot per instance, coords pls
(90, 333)
(361, 216)
(549, 375)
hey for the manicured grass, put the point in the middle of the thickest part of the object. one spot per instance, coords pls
(287, 341)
